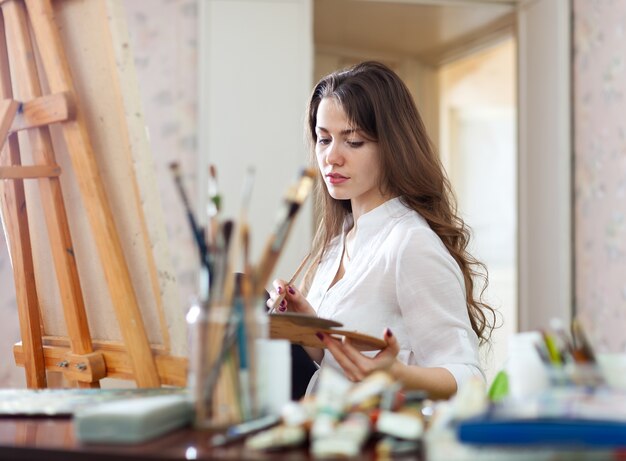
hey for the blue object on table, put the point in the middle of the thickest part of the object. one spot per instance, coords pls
(544, 431)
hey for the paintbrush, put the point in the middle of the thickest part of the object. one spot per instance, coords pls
(214, 205)
(293, 202)
(222, 338)
(583, 351)
(195, 228)
(218, 282)
(245, 227)
(291, 281)
(240, 298)
(243, 237)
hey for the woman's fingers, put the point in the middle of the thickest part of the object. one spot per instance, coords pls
(362, 362)
(392, 343)
(277, 304)
(297, 302)
(336, 348)
(279, 285)
(277, 299)
(356, 365)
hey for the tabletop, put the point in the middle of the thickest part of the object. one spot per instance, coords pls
(52, 439)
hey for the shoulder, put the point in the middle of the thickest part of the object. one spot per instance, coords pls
(417, 248)
(411, 231)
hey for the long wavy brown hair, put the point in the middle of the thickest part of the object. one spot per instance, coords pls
(378, 102)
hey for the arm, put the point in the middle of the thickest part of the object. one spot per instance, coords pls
(438, 382)
(431, 295)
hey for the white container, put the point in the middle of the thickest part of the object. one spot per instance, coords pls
(528, 375)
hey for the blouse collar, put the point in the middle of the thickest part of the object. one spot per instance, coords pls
(372, 222)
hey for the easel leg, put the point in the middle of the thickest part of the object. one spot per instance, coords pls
(16, 223)
(20, 53)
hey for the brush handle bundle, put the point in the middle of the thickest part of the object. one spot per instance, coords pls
(230, 316)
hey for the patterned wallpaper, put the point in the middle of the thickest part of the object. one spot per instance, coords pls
(164, 38)
(600, 168)
(163, 34)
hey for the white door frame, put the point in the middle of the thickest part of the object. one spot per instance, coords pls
(545, 163)
(545, 200)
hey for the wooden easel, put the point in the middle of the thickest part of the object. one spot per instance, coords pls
(23, 107)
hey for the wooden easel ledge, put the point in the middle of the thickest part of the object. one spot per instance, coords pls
(41, 111)
(29, 172)
(58, 357)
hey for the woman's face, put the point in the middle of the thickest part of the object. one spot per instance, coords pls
(347, 159)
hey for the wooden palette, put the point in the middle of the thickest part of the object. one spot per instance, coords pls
(301, 329)
(305, 320)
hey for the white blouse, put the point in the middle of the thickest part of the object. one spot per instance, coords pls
(400, 276)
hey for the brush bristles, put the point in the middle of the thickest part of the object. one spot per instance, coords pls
(298, 193)
(310, 172)
(304, 189)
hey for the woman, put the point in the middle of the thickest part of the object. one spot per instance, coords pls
(390, 251)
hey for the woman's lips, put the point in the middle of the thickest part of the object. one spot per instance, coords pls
(335, 178)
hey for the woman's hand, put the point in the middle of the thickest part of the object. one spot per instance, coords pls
(357, 366)
(292, 299)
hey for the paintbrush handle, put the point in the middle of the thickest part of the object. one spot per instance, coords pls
(294, 200)
(197, 231)
(277, 302)
(291, 281)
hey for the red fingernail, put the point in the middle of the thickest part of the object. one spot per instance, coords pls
(279, 290)
(389, 333)
(282, 308)
(292, 291)
(319, 336)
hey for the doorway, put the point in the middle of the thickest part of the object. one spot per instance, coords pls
(478, 143)
(451, 55)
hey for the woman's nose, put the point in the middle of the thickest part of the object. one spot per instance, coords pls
(334, 155)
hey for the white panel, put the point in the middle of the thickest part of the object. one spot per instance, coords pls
(545, 259)
(257, 76)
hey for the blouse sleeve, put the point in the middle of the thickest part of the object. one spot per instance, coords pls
(431, 296)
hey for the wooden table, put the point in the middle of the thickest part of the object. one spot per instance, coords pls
(52, 439)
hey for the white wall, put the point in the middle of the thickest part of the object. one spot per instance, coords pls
(256, 75)
(545, 235)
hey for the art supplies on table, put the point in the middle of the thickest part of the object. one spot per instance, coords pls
(553, 393)
(594, 420)
(342, 417)
(65, 402)
(241, 431)
(132, 420)
(543, 432)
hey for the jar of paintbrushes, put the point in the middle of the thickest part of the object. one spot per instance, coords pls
(233, 366)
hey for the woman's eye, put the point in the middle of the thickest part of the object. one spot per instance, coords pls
(323, 141)
(355, 143)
